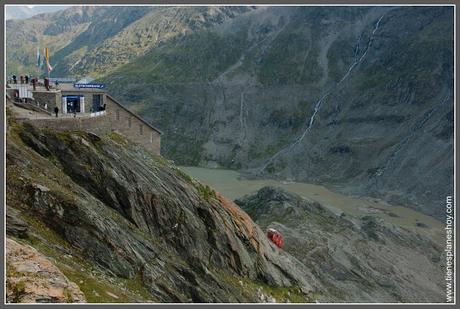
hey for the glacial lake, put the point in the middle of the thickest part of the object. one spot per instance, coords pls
(232, 186)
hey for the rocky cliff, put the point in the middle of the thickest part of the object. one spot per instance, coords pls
(128, 227)
(356, 259)
(97, 218)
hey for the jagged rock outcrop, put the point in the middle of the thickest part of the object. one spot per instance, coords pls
(14, 225)
(136, 216)
(356, 259)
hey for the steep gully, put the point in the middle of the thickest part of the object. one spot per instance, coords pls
(310, 121)
(221, 78)
(242, 118)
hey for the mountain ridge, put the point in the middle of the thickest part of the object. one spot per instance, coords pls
(358, 98)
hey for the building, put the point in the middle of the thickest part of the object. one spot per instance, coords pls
(89, 107)
(83, 99)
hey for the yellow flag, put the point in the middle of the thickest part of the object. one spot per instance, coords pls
(46, 54)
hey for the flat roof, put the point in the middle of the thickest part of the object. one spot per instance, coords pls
(71, 88)
(53, 88)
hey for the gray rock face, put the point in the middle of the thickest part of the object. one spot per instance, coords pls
(14, 225)
(355, 259)
(135, 215)
(361, 97)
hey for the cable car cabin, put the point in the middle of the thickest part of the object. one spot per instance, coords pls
(275, 237)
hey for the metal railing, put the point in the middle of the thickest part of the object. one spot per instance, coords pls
(52, 116)
(97, 114)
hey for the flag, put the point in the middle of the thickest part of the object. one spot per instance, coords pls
(38, 57)
(48, 65)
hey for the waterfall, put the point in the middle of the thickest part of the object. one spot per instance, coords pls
(311, 120)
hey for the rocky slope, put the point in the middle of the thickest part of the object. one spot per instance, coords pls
(99, 219)
(32, 278)
(128, 227)
(356, 259)
(357, 97)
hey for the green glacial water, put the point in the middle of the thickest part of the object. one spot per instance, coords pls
(232, 185)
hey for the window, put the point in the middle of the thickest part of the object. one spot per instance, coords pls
(151, 137)
(129, 122)
(141, 129)
(97, 103)
(118, 114)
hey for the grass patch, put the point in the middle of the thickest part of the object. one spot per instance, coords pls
(250, 288)
(118, 138)
(206, 192)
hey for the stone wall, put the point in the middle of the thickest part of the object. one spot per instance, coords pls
(129, 125)
(53, 98)
(97, 125)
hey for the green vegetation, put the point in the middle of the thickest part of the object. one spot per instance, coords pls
(118, 138)
(205, 191)
(251, 288)
(18, 289)
(340, 57)
(289, 59)
(180, 147)
(184, 176)
(202, 56)
(275, 167)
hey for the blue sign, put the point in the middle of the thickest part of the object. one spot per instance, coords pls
(96, 86)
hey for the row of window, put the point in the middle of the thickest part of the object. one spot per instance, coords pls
(141, 126)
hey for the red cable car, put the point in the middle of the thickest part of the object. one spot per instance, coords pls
(275, 237)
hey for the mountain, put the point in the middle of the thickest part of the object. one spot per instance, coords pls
(95, 40)
(357, 259)
(118, 224)
(26, 11)
(355, 98)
